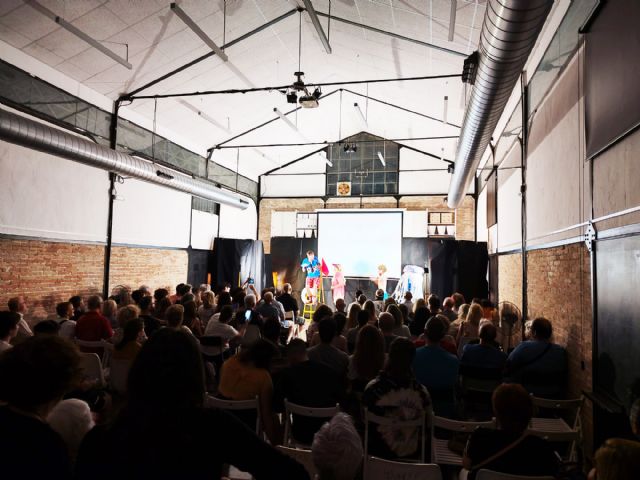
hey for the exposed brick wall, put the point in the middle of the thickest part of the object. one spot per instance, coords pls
(558, 288)
(46, 273)
(465, 215)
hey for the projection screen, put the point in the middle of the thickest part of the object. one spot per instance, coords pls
(361, 240)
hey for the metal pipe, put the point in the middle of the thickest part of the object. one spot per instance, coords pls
(508, 34)
(316, 24)
(37, 136)
(198, 31)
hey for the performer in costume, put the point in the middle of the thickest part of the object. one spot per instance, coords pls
(311, 266)
(338, 283)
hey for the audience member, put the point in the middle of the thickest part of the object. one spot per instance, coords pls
(405, 314)
(469, 328)
(458, 301)
(72, 420)
(379, 301)
(245, 376)
(539, 364)
(387, 325)
(420, 318)
(8, 329)
(356, 296)
(408, 300)
(18, 305)
(222, 329)
(396, 394)
(488, 309)
(322, 311)
(129, 345)
(339, 340)
(110, 312)
(399, 328)
(163, 431)
(352, 334)
(436, 368)
(46, 327)
(326, 353)
(267, 309)
(34, 376)
(447, 309)
(337, 450)
(224, 299)
(617, 459)
(64, 310)
(291, 309)
(309, 384)
(137, 295)
(352, 316)
(367, 359)
(341, 306)
(371, 309)
(190, 318)
(433, 302)
(79, 308)
(419, 303)
(174, 317)
(509, 448)
(454, 327)
(151, 323)
(485, 354)
(125, 315)
(93, 326)
(161, 307)
(208, 307)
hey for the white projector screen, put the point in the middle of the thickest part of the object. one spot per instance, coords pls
(360, 241)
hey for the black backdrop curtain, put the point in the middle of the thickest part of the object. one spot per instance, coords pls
(236, 260)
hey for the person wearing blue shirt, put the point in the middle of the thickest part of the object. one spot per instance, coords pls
(484, 354)
(436, 368)
(311, 266)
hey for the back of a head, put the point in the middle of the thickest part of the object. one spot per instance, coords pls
(187, 297)
(408, 295)
(419, 303)
(271, 330)
(361, 299)
(448, 303)
(322, 311)
(296, 350)
(363, 318)
(38, 371)
(94, 302)
(130, 332)
(110, 308)
(327, 330)
(126, 314)
(435, 329)
(76, 301)
(260, 354)
(46, 327)
(434, 303)
(458, 299)
(268, 297)
(397, 314)
(62, 308)
(162, 306)
(167, 374)
(337, 449)
(541, 329)
(14, 304)
(286, 288)
(250, 301)
(512, 407)
(370, 308)
(475, 314)
(386, 322)
(421, 315)
(226, 314)
(341, 322)
(137, 295)
(174, 315)
(463, 311)
(145, 303)
(207, 298)
(8, 322)
(340, 304)
(71, 419)
(402, 351)
(224, 298)
(379, 294)
(160, 293)
(488, 333)
(358, 293)
(618, 459)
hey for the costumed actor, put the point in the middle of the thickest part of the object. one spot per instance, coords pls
(311, 266)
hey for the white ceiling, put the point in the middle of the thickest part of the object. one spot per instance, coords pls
(158, 42)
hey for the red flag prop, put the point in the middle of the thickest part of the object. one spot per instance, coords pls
(324, 268)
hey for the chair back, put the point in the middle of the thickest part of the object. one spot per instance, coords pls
(395, 423)
(379, 469)
(236, 406)
(288, 315)
(87, 346)
(460, 426)
(572, 406)
(440, 451)
(251, 335)
(315, 412)
(491, 475)
(118, 374)
(303, 457)
(92, 368)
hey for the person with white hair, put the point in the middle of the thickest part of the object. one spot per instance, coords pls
(337, 449)
(72, 420)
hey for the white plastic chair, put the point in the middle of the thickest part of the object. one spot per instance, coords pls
(92, 368)
(222, 404)
(440, 452)
(550, 426)
(300, 410)
(491, 475)
(571, 438)
(302, 456)
(91, 346)
(379, 469)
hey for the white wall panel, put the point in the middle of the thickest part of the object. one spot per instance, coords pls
(412, 160)
(204, 229)
(236, 223)
(283, 224)
(424, 183)
(46, 196)
(482, 234)
(147, 214)
(293, 185)
(509, 214)
(415, 224)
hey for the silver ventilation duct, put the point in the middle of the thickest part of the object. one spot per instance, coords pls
(509, 32)
(37, 136)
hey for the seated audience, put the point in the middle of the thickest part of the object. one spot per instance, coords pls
(462, 316)
(617, 459)
(337, 450)
(340, 340)
(420, 317)
(110, 312)
(418, 303)
(484, 354)
(539, 364)
(208, 307)
(129, 345)
(271, 332)
(64, 310)
(509, 449)
(161, 307)
(34, 376)
(267, 308)
(395, 393)
(399, 328)
(71, 419)
(174, 317)
(151, 323)
(447, 309)
(190, 318)
(371, 309)
(387, 325)
(367, 359)
(163, 431)
(125, 315)
(362, 319)
(458, 301)
(408, 300)
(222, 329)
(46, 327)
(291, 309)
(245, 376)
(322, 311)
(18, 306)
(310, 384)
(352, 316)
(93, 326)
(447, 342)
(79, 308)
(327, 354)
(8, 329)
(224, 299)
(437, 369)
(341, 306)
(488, 309)
(433, 302)
(468, 329)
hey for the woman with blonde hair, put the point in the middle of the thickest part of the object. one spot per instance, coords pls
(352, 315)
(470, 327)
(370, 308)
(617, 459)
(400, 329)
(462, 316)
(419, 303)
(110, 310)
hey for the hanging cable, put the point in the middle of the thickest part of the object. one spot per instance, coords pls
(340, 118)
(299, 39)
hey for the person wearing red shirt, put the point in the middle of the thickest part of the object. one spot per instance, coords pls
(93, 326)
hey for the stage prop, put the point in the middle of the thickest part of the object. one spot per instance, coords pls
(236, 260)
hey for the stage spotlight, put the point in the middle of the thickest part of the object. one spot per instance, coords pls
(317, 93)
(450, 168)
(292, 97)
(309, 101)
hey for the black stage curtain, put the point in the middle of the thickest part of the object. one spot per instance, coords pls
(198, 266)
(236, 260)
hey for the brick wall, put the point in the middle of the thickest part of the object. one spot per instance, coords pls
(46, 273)
(558, 288)
(465, 214)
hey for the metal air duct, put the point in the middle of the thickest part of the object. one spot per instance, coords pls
(509, 32)
(37, 136)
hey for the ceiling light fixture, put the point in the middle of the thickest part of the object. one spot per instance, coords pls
(198, 31)
(286, 120)
(452, 19)
(350, 148)
(446, 109)
(361, 115)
